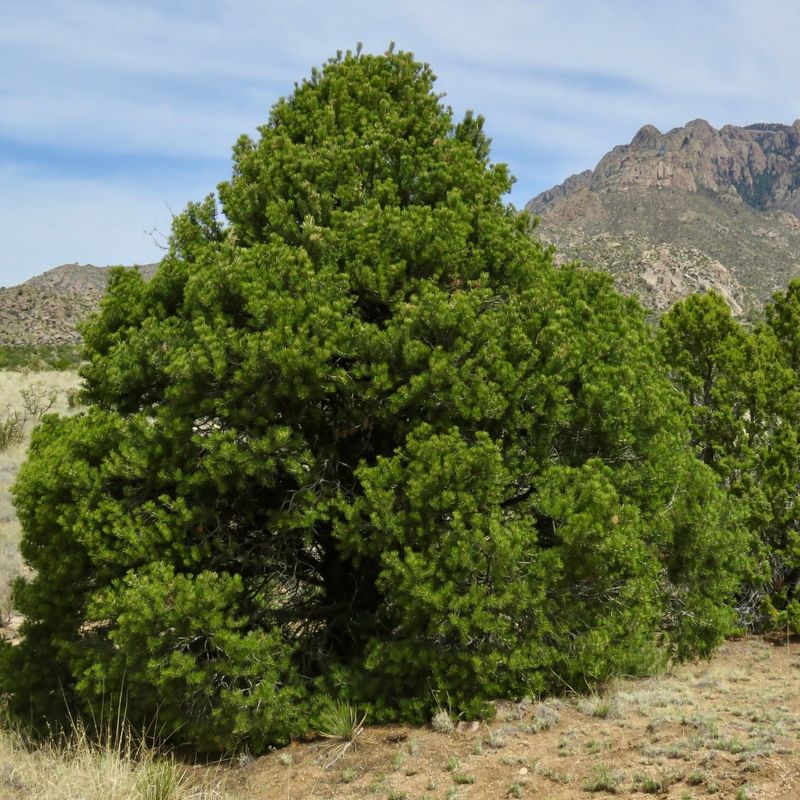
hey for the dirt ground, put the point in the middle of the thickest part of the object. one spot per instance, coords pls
(727, 728)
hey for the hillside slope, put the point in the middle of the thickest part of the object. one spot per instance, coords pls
(46, 309)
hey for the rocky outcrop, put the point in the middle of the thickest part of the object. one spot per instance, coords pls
(759, 163)
(706, 208)
(81, 278)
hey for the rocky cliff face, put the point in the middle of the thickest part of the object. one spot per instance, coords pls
(690, 209)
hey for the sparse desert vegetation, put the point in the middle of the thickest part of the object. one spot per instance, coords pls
(727, 728)
(24, 396)
(80, 768)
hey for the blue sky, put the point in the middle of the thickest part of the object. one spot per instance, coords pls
(114, 114)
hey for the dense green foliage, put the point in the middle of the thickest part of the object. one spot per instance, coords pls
(743, 388)
(359, 436)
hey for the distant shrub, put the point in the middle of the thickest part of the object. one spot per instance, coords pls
(73, 397)
(12, 428)
(40, 357)
(38, 399)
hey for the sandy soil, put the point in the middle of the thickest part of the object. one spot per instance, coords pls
(728, 728)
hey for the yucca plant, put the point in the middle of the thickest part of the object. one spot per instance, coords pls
(341, 725)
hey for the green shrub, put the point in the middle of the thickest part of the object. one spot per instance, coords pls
(743, 390)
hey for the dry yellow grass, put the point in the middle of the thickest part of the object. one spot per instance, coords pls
(80, 770)
(728, 728)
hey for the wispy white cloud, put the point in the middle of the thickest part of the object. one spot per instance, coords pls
(152, 93)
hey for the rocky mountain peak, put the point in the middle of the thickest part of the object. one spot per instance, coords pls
(647, 136)
(47, 309)
(693, 208)
(759, 164)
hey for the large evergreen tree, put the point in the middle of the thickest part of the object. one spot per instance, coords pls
(359, 435)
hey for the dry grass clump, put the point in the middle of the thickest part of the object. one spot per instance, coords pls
(600, 705)
(545, 715)
(442, 722)
(77, 768)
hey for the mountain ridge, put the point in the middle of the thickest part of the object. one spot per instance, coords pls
(758, 163)
(692, 209)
